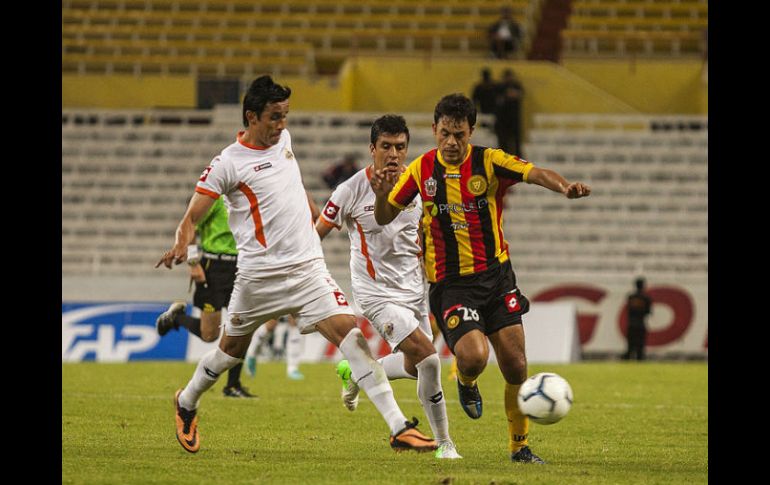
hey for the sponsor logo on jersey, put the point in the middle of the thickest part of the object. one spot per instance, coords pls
(205, 173)
(263, 166)
(472, 206)
(430, 208)
(477, 185)
(330, 210)
(368, 208)
(458, 225)
(452, 176)
(430, 187)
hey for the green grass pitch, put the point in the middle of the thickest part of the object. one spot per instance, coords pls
(631, 423)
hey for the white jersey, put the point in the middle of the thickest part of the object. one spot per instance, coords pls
(269, 215)
(384, 260)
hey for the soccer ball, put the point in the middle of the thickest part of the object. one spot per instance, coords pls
(545, 398)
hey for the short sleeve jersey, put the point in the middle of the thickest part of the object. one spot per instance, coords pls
(462, 208)
(269, 215)
(384, 260)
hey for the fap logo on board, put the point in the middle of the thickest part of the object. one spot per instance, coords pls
(117, 332)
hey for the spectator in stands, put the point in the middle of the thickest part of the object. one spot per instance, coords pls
(508, 114)
(341, 171)
(485, 93)
(638, 306)
(504, 35)
(213, 271)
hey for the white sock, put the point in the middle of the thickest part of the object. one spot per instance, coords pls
(394, 366)
(432, 396)
(293, 350)
(373, 380)
(279, 332)
(260, 336)
(210, 367)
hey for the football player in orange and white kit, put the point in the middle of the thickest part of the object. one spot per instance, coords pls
(387, 279)
(279, 254)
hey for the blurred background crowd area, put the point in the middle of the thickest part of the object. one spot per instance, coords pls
(611, 92)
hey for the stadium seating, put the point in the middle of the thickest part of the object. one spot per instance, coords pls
(126, 177)
(109, 35)
(649, 28)
(649, 207)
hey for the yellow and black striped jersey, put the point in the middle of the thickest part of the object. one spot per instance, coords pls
(462, 219)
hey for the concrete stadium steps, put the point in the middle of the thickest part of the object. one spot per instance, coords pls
(127, 176)
(125, 185)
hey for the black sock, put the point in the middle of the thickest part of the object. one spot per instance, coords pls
(234, 376)
(193, 325)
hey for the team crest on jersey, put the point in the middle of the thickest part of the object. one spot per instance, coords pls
(289, 154)
(477, 185)
(430, 187)
(331, 210)
(453, 321)
(388, 329)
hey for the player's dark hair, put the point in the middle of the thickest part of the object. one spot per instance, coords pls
(639, 283)
(262, 92)
(391, 124)
(456, 107)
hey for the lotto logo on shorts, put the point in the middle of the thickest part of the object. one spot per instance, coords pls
(331, 210)
(341, 301)
(512, 303)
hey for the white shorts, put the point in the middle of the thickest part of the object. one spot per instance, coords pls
(396, 321)
(307, 291)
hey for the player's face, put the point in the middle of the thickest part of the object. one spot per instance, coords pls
(267, 128)
(389, 151)
(452, 137)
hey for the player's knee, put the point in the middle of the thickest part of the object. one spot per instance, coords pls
(472, 364)
(430, 364)
(208, 335)
(338, 328)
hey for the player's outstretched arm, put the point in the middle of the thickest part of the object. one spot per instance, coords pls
(553, 181)
(185, 232)
(382, 183)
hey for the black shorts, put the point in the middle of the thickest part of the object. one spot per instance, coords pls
(215, 294)
(486, 301)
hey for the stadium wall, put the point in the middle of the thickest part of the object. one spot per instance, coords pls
(114, 320)
(412, 85)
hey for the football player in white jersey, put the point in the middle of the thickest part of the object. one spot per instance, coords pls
(279, 253)
(387, 279)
